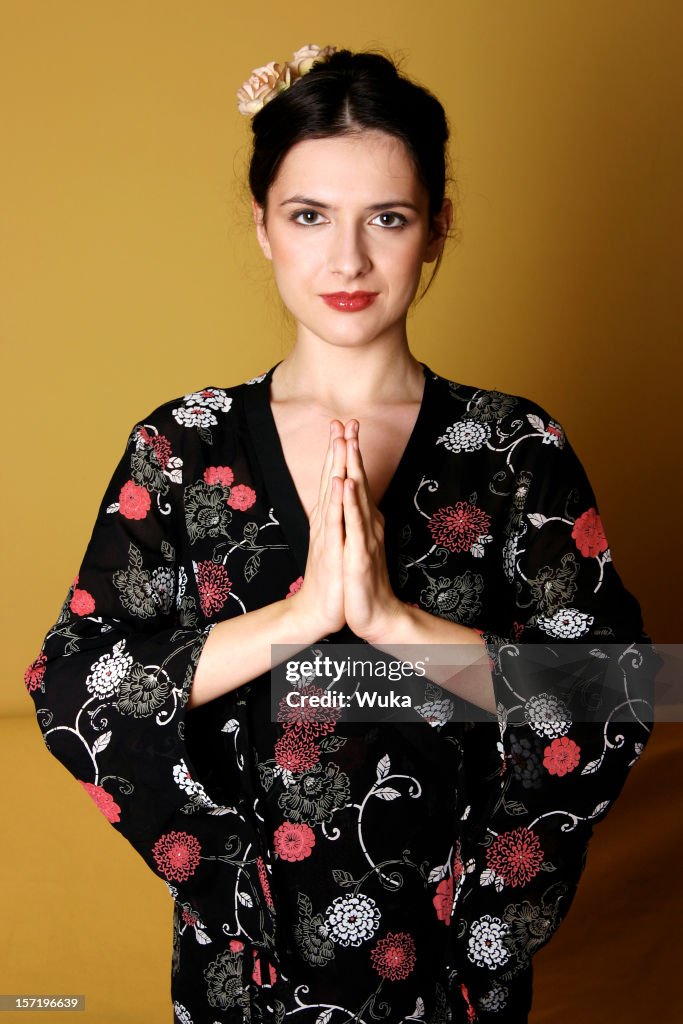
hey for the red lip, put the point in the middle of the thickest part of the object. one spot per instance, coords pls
(349, 301)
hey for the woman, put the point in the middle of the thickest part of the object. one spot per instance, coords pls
(325, 870)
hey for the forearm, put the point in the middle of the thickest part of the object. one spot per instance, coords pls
(238, 650)
(465, 673)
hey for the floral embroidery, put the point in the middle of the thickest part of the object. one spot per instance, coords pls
(394, 956)
(458, 527)
(214, 586)
(352, 920)
(486, 942)
(134, 501)
(142, 691)
(566, 624)
(33, 677)
(368, 841)
(82, 603)
(242, 497)
(222, 475)
(443, 899)
(296, 751)
(589, 534)
(265, 884)
(465, 436)
(295, 586)
(456, 599)
(103, 801)
(515, 856)
(177, 855)
(109, 671)
(206, 512)
(224, 981)
(293, 841)
(547, 715)
(561, 756)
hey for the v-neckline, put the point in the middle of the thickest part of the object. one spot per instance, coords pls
(279, 482)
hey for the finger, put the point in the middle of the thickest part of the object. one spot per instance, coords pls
(336, 429)
(354, 520)
(338, 469)
(334, 515)
(351, 429)
(356, 470)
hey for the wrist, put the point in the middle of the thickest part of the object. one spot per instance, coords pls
(298, 624)
(392, 626)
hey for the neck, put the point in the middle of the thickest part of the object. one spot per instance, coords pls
(348, 378)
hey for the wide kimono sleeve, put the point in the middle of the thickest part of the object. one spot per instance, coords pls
(573, 674)
(113, 678)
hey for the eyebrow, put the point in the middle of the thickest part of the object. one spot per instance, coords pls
(307, 201)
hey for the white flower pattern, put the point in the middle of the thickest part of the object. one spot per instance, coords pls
(352, 920)
(465, 436)
(566, 623)
(195, 416)
(109, 670)
(485, 945)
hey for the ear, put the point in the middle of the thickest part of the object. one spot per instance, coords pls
(261, 233)
(439, 231)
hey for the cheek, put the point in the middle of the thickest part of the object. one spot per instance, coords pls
(406, 264)
(292, 259)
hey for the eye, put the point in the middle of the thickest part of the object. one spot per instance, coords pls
(306, 214)
(402, 221)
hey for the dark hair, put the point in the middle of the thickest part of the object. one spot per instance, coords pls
(342, 95)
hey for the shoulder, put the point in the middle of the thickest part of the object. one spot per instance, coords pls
(492, 414)
(201, 415)
(194, 409)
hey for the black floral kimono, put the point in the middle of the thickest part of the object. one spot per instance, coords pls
(326, 872)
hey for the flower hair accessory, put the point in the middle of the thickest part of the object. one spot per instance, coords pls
(265, 83)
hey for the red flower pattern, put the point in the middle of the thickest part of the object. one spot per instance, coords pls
(134, 501)
(443, 900)
(257, 972)
(33, 676)
(160, 445)
(394, 956)
(296, 751)
(214, 585)
(177, 855)
(589, 534)
(82, 603)
(471, 1012)
(103, 801)
(294, 841)
(516, 856)
(295, 586)
(458, 866)
(242, 497)
(311, 721)
(561, 756)
(457, 527)
(265, 884)
(219, 475)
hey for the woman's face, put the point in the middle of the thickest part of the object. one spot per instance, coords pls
(348, 214)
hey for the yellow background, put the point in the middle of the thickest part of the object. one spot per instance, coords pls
(129, 275)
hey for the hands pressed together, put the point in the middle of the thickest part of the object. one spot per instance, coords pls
(346, 577)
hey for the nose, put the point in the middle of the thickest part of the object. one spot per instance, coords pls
(348, 253)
